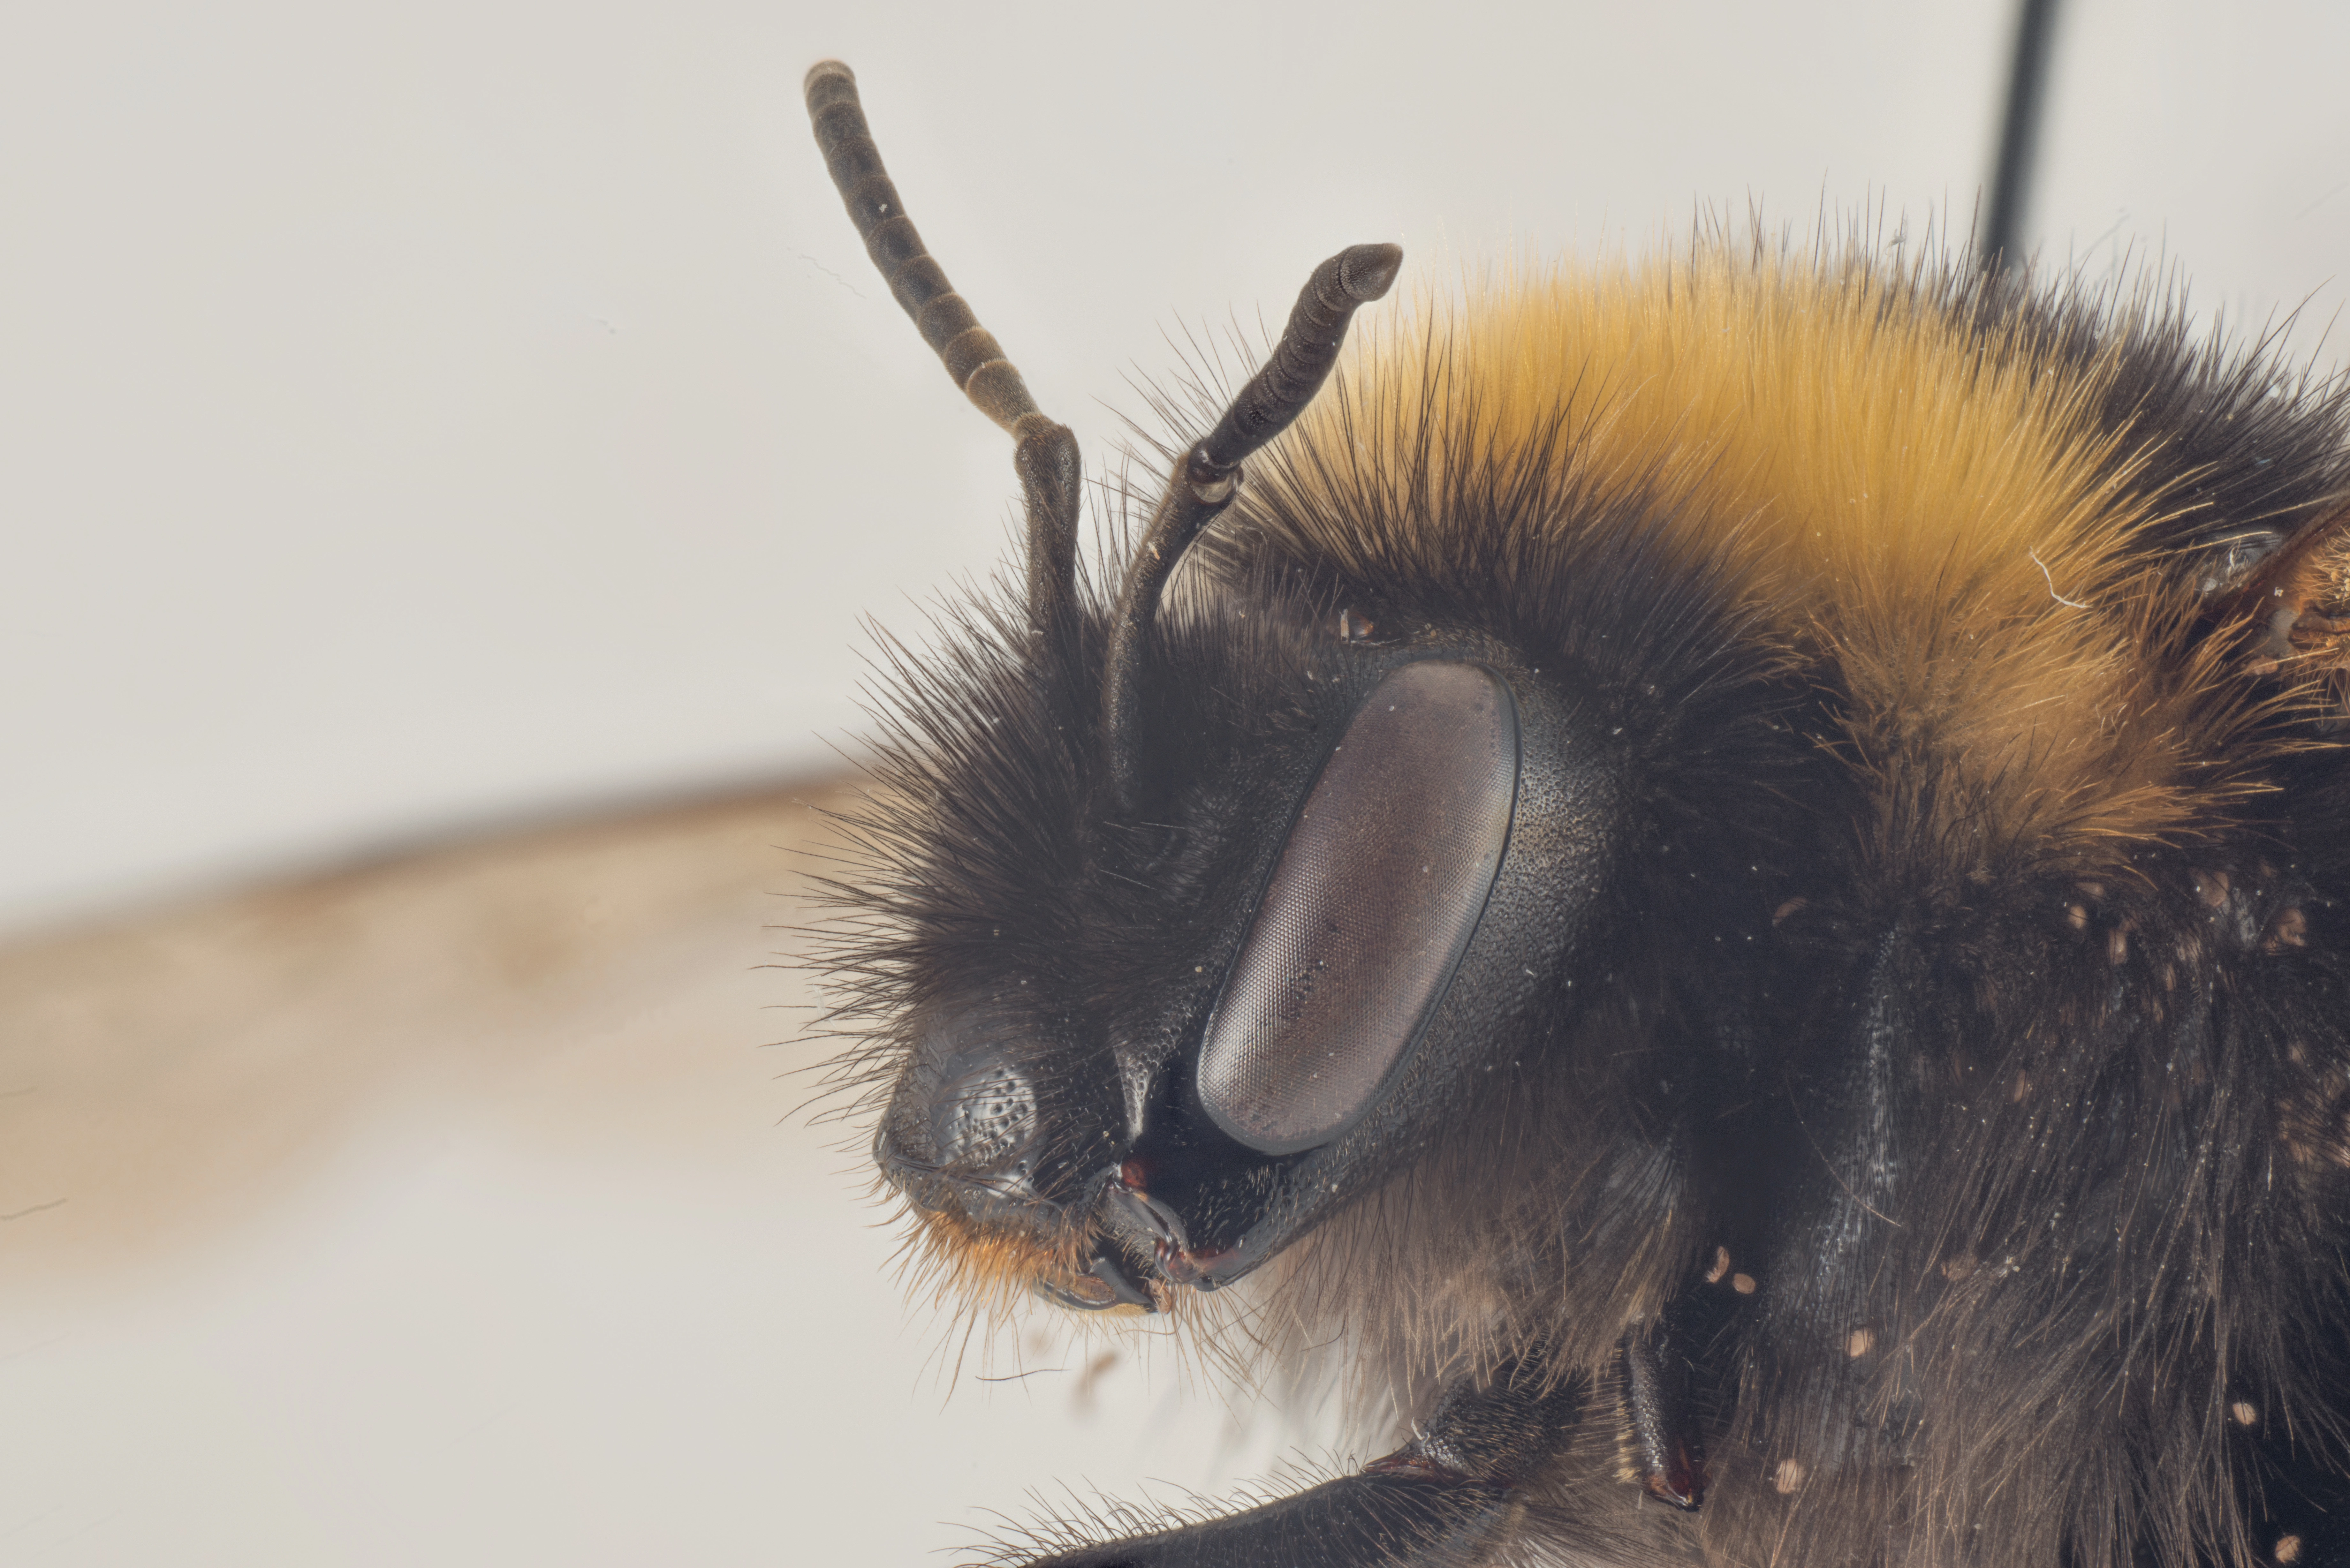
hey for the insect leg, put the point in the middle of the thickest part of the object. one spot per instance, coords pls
(1447, 1499)
(1659, 1448)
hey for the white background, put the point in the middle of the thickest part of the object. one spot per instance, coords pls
(420, 418)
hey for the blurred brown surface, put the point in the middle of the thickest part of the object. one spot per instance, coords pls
(454, 1208)
(164, 1076)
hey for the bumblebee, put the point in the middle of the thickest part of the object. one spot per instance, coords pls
(1729, 869)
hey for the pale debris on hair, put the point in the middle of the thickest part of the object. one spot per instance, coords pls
(2060, 599)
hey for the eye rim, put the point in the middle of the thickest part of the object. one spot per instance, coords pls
(1287, 1152)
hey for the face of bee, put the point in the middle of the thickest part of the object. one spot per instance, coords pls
(1388, 841)
(1346, 910)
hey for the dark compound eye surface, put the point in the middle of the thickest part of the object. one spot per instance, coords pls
(1373, 900)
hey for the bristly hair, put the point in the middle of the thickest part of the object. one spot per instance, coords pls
(1941, 578)
(1915, 466)
(1913, 471)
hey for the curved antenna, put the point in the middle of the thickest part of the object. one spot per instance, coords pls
(1206, 480)
(1046, 456)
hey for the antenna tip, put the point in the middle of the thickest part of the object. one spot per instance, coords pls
(1365, 272)
(823, 73)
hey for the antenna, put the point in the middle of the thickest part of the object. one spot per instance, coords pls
(1046, 456)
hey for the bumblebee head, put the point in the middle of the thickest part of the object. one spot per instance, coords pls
(1142, 1041)
(1178, 1033)
(1193, 915)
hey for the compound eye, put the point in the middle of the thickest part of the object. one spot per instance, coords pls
(1370, 906)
